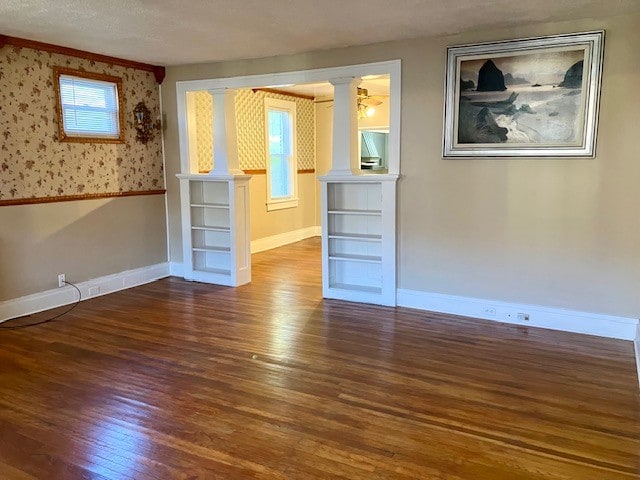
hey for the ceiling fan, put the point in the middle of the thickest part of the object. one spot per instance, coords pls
(367, 103)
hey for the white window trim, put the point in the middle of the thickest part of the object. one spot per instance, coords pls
(292, 200)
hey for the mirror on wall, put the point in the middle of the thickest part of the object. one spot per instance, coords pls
(374, 149)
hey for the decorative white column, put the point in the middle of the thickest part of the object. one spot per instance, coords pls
(345, 155)
(225, 139)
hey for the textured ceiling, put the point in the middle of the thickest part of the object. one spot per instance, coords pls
(169, 32)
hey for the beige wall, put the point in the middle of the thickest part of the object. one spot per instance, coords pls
(276, 222)
(84, 239)
(554, 232)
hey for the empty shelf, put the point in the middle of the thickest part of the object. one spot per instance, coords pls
(356, 212)
(211, 249)
(219, 271)
(356, 236)
(355, 258)
(210, 205)
(210, 228)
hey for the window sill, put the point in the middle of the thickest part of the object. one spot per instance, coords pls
(74, 139)
(282, 204)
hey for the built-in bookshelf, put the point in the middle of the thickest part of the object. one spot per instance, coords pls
(215, 231)
(359, 238)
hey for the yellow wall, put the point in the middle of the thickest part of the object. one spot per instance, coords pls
(380, 119)
(276, 222)
(554, 232)
(324, 144)
(249, 106)
(250, 121)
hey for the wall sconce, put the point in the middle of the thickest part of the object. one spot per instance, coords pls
(143, 123)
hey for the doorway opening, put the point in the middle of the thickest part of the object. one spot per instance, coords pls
(283, 137)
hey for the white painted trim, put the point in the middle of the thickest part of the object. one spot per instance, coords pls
(176, 269)
(192, 137)
(359, 296)
(275, 241)
(57, 297)
(289, 202)
(345, 157)
(544, 317)
(298, 76)
(636, 344)
(163, 127)
(288, 107)
(391, 67)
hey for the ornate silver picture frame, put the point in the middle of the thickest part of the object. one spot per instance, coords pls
(533, 97)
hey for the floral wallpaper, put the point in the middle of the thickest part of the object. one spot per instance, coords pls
(251, 129)
(204, 130)
(34, 164)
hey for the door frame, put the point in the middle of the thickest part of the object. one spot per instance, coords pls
(188, 155)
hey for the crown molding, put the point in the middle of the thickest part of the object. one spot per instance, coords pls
(157, 70)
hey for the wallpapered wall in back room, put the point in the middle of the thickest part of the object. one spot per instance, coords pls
(34, 164)
(250, 119)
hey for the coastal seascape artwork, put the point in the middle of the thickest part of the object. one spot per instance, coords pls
(530, 97)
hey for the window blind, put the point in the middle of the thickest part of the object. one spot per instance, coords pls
(89, 107)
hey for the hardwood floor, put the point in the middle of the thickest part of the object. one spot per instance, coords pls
(186, 380)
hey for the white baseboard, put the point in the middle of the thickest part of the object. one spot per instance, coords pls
(544, 317)
(275, 241)
(636, 344)
(57, 297)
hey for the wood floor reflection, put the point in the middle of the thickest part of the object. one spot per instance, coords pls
(185, 380)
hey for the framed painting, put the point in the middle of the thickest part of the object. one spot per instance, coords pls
(533, 97)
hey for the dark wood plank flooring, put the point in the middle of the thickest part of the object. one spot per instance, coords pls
(186, 380)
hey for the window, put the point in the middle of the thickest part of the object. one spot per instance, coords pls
(89, 106)
(282, 166)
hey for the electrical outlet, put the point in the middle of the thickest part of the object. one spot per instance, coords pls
(523, 316)
(61, 280)
(93, 291)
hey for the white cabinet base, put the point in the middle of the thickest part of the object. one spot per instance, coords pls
(359, 238)
(215, 228)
